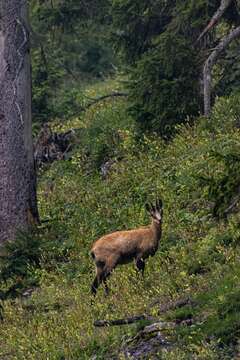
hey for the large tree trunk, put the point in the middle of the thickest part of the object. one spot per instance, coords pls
(18, 205)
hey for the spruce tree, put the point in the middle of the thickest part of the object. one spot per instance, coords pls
(160, 42)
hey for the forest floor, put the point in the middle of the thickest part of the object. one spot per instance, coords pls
(102, 186)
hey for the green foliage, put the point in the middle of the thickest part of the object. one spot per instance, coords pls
(221, 308)
(19, 258)
(109, 139)
(22, 259)
(20, 254)
(158, 40)
(71, 103)
(46, 76)
(198, 256)
(160, 85)
(229, 71)
(70, 46)
(223, 189)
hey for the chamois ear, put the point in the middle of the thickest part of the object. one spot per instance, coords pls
(159, 204)
(153, 209)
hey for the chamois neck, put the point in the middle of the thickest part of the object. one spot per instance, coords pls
(157, 230)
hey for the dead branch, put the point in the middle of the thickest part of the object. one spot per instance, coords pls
(216, 17)
(126, 321)
(158, 326)
(208, 66)
(104, 97)
(94, 101)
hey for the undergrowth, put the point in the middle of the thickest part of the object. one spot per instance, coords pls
(197, 175)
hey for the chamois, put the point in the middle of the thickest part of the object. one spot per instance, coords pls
(121, 247)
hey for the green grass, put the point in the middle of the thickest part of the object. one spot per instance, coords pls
(198, 255)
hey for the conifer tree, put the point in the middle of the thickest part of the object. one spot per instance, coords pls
(166, 43)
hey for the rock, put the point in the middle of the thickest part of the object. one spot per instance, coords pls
(148, 342)
(147, 348)
(106, 168)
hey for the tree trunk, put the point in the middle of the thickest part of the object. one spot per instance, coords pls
(18, 204)
(208, 66)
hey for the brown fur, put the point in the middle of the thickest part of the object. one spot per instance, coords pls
(122, 247)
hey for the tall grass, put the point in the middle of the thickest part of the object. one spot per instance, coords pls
(198, 255)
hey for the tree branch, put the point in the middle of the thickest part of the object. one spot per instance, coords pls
(210, 62)
(96, 100)
(216, 17)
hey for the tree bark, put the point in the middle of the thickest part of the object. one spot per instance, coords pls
(208, 66)
(18, 203)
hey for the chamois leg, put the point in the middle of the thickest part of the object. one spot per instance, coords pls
(95, 286)
(140, 264)
(109, 267)
(103, 271)
(98, 279)
(106, 288)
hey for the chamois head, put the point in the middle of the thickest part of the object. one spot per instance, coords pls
(155, 211)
